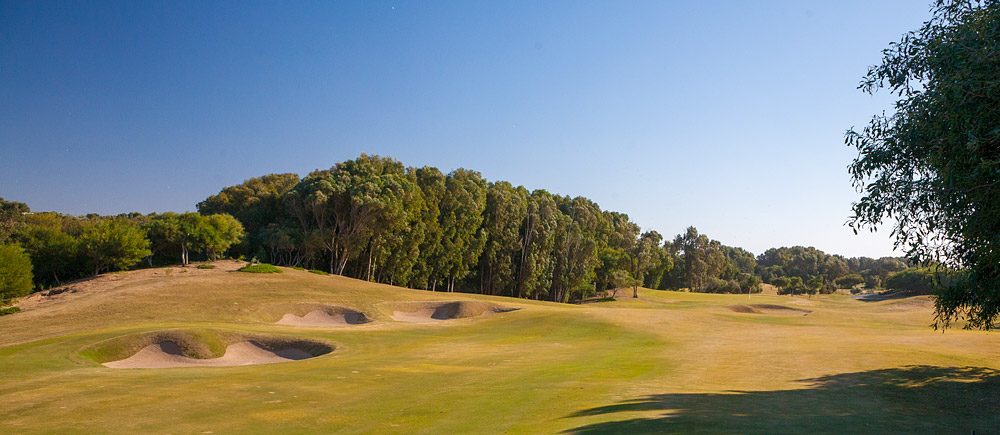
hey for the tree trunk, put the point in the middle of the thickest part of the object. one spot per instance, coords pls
(635, 291)
(343, 262)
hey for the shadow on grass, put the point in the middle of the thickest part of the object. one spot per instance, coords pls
(889, 295)
(911, 399)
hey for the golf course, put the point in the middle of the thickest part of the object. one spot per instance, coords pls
(214, 350)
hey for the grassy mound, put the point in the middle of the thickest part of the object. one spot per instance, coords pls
(196, 343)
(666, 362)
(259, 268)
(315, 314)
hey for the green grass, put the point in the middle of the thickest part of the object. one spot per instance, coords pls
(206, 266)
(9, 310)
(260, 268)
(667, 362)
(319, 272)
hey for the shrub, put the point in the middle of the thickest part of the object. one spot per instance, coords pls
(319, 272)
(922, 280)
(15, 272)
(260, 268)
(298, 268)
(206, 266)
(9, 310)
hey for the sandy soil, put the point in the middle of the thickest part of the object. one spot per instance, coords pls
(422, 312)
(769, 309)
(167, 354)
(320, 318)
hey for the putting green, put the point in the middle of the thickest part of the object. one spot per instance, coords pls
(667, 362)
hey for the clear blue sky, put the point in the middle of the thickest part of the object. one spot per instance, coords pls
(728, 116)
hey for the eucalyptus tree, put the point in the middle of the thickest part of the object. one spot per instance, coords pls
(15, 272)
(461, 218)
(113, 244)
(505, 211)
(537, 240)
(394, 252)
(642, 255)
(615, 234)
(347, 205)
(430, 253)
(575, 249)
(218, 233)
(11, 217)
(54, 253)
(257, 203)
(932, 164)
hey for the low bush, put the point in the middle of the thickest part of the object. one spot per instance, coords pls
(920, 280)
(206, 266)
(9, 310)
(298, 268)
(260, 268)
(318, 272)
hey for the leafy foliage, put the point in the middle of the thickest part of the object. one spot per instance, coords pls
(934, 164)
(15, 272)
(113, 244)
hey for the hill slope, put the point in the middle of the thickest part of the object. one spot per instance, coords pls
(666, 362)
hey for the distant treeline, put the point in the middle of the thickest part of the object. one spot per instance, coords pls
(41, 250)
(374, 219)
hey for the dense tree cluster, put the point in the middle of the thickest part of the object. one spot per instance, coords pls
(808, 270)
(372, 218)
(60, 248)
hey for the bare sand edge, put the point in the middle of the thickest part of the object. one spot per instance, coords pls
(167, 354)
(437, 311)
(769, 309)
(321, 318)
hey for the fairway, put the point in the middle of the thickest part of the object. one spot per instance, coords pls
(667, 362)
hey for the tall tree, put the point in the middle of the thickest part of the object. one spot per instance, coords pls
(506, 208)
(15, 273)
(534, 277)
(258, 204)
(349, 204)
(114, 244)
(11, 213)
(427, 270)
(461, 223)
(641, 256)
(219, 232)
(934, 164)
(575, 249)
(54, 253)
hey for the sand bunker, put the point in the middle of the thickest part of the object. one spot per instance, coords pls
(420, 312)
(326, 317)
(769, 309)
(168, 354)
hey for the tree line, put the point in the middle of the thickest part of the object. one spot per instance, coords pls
(373, 218)
(41, 250)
